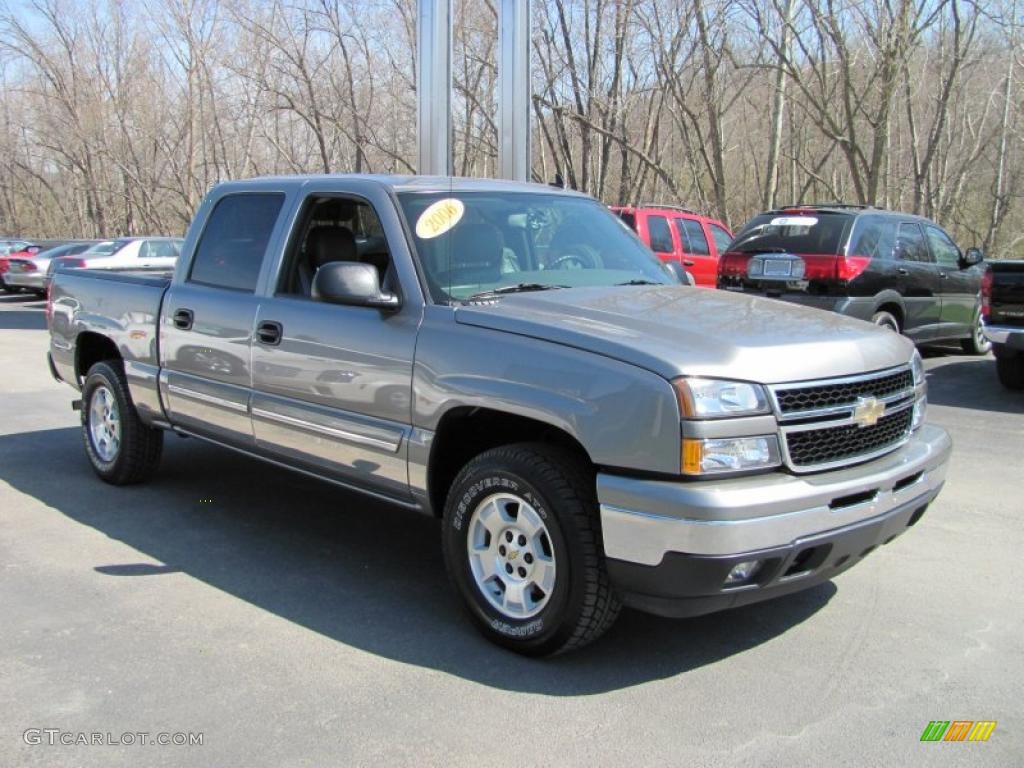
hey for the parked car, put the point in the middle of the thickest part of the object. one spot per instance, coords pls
(94, 251)
(585, 434)
(896, 270)
(29, 273)
(680, 235)
(1002, 310)
(13, 249)
(140, 253)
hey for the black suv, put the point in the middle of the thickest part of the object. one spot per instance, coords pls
(894, 269)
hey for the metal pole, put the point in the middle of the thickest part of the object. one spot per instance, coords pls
(434, 86)
(514, 90)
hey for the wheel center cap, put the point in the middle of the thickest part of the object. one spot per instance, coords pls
(513, 554)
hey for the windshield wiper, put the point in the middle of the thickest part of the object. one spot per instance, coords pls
(639, 282)
(517, 288)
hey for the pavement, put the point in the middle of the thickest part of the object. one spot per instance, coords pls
(287, 623)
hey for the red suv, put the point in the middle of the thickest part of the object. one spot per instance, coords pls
(680, 235)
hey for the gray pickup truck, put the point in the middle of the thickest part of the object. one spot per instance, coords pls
(512, 360)
(1002, 316)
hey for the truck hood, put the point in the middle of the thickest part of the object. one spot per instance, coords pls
(678, 330)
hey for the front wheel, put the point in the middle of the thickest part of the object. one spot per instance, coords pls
(522, 545)
(976, 344)
(121, 449)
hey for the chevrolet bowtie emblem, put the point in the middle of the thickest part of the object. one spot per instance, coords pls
(868, 411)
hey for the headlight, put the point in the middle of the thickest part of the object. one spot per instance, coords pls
(735, 454)
(917, 368)
(717, 398)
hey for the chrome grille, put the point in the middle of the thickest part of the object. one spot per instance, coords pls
(818, 422)
(824, 395)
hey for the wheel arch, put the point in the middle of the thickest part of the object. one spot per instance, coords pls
(466, 431)
(92, 348)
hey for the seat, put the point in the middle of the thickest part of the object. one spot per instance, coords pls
(477, 251)
(325, 244)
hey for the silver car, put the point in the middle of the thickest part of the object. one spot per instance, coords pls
(30, 273)
(157, 253)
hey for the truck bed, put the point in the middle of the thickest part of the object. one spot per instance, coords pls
(120, 305)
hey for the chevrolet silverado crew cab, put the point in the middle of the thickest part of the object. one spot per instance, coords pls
(1002, 310)
(899, 271)
(590, 432)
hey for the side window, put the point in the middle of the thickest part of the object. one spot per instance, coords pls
(695, 234)
(661, 237)
(144, 250)
(943, 249)
(910, 244)
(335, 229)
(721, 238)
(684, 241)
(234, 242)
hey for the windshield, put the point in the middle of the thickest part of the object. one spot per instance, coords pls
(811, 232)
(472, 243)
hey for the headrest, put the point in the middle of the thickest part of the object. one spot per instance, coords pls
(325, 244)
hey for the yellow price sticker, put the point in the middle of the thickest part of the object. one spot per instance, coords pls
(439, 218)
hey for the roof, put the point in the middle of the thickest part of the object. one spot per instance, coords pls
(407, 183)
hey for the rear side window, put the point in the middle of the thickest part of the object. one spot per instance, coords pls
(234, 242)
(874, 236)
(721, 238)
(815, 232)
(695, 236)
(661, 237)
(910, 244)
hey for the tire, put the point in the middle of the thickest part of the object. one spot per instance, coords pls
(886, 320)
(1011, 371)
(977, 344)
(567, 598)
(121, 449)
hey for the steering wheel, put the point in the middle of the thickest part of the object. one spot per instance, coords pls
(575, 258)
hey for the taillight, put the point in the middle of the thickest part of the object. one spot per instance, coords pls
(3, 265)
(49, 302)
(850, 267)
(733, 264)
(986, 293)
(28, 266)
(819, 266)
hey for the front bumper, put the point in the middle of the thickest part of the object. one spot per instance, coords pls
(1011, 336)
(670, 545)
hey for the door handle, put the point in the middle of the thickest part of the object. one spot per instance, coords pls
(902, 271)
(687, 262)
(269, 332)
(943, 275)
(183, 319)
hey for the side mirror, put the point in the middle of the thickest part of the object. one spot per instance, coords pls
(353, 284)
(971, 257)
(675, 270)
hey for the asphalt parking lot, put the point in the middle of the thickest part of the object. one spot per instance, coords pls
(292, 624)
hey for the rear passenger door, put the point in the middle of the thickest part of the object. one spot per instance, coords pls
(920, 277)
(959, 287)
(207, 319)
(332, 384)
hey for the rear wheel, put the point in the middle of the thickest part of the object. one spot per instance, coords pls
(121, 449)
(1011, 371)
(886, 320)
(522, 545)
(977, 344)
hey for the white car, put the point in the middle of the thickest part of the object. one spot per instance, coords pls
(157, 253)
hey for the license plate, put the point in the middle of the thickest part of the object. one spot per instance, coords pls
(778, 267)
